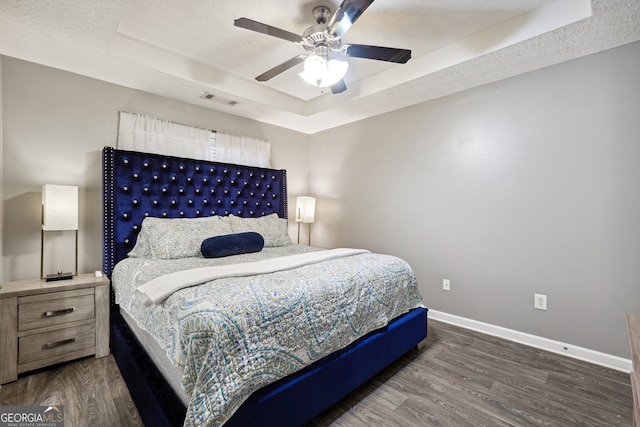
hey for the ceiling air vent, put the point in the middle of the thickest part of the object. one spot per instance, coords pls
(218, 99)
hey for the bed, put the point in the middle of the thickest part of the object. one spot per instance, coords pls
(162, 293)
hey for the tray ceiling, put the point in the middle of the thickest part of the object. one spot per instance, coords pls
(183, 50)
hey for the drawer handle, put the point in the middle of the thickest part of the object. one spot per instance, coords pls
(58, 312)
(50, 345)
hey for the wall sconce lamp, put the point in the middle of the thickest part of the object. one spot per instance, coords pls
(305, 212)
(59, 212)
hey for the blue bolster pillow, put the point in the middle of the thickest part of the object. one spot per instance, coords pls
(232, 244)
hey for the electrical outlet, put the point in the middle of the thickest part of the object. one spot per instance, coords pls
(540, 301)
(446, 284)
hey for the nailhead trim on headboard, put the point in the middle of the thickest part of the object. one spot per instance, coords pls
(137, 185)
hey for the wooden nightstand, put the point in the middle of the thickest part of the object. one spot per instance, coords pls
(43, 323)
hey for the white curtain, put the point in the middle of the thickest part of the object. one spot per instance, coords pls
(153, 135)
(242, 150)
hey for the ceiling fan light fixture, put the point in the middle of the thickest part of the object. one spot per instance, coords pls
(315, 66)
(321, 41)
(322, 73)
(337, 70)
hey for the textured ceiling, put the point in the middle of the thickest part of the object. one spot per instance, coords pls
(183, 49)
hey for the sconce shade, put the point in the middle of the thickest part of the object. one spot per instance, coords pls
(59, 207)
(305, 209)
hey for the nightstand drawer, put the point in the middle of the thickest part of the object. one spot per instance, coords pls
(55, 309)
(54, 343)
(44, 323)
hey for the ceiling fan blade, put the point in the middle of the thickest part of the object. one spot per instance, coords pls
(259, 27)
(379, 53)
(339, 87)
(348, 12)
(281, 68)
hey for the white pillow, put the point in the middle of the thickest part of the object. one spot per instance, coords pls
(171, 238)
(142, 249)
(274, 230)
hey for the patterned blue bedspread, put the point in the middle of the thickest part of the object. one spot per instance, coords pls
(233, 336)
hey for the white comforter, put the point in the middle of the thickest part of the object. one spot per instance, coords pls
(157, 290)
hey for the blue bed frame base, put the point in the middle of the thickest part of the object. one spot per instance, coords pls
(292, 401)
(136, 185)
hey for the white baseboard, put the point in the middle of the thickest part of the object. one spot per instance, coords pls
(570, 350)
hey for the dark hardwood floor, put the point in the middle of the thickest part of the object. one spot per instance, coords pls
(457, 378)
(91, 391)
(464, 378)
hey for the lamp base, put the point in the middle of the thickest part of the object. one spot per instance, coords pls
(58, 276)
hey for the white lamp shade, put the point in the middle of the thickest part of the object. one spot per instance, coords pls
(59, 207)
(322, 73)
(305, 209)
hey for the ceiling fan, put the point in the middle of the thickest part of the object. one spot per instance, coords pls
(323, 39)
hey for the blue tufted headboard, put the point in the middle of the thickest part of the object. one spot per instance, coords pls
(136, 185)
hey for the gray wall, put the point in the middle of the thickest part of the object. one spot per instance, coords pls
(56, 123)
(523, 186)
(529, 185)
